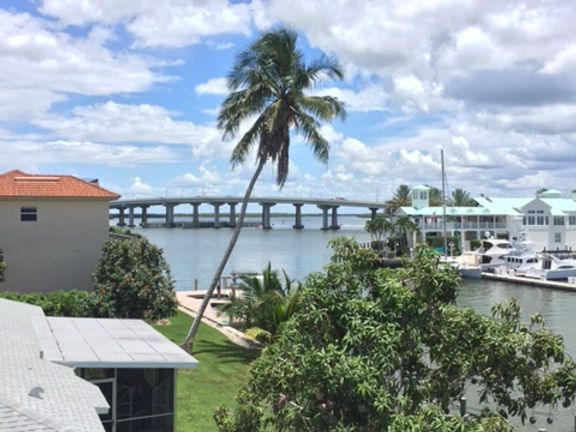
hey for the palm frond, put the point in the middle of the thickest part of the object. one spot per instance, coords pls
(324, 107)
(308, 127)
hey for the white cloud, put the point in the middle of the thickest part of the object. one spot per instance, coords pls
(157, 23)
(373, 97)
(35, 56)
(203, 177)
(139, 188)
(214, 86)
(36, 153)
(113, 122)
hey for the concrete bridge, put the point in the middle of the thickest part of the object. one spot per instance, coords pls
(329, 209)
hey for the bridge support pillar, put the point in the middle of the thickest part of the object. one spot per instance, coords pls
(131, 217)
(335, 225)
(195, 215)
(121, 221)
(266, 215)
(324, 217)
(373, 211)
(169, 215)
(232, 221)
(298, 216)
(143, 215)
(216, 213)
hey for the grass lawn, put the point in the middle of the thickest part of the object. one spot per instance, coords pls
(222, 370)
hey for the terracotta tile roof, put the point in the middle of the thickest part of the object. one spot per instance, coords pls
(18, 184)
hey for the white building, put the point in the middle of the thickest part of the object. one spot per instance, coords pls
(51, 231)
(548, 220)
(85, 374)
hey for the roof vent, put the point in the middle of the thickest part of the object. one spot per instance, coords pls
(36, 392)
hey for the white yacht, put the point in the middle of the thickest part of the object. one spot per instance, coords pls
(493, 252)
(550, 267)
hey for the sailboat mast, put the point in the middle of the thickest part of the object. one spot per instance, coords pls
(444, 205)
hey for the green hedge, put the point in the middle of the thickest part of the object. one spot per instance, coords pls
(58, 303)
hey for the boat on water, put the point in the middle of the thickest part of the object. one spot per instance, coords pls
(466, 265)
(549, 267)
(493, 253)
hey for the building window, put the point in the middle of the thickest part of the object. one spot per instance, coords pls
(572, 220)
(559, 220)
(28, 214)
(557, 238)
(536, 217)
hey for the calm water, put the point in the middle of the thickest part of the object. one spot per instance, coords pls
(196, 253)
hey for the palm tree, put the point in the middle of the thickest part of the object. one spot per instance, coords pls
(435, 196)
(268, 82)
(461, 198)
(401, 198)
(264, 303)
(378, 227)
(405, 228)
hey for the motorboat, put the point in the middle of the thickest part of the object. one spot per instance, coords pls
(466, 266)
(550, 267)
(493, 252)
(522, 258)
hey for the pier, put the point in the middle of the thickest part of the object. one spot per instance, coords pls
(125, 210)
(542, 283)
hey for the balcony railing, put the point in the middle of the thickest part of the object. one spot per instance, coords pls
(431, 226)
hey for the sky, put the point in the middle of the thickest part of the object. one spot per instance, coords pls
(128, 92)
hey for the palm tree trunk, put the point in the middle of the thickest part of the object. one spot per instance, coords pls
(189, 341)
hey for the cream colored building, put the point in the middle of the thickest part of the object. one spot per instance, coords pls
(52, 229)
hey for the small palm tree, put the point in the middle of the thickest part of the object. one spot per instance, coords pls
(378, 227)
(263, 303)
(405, 228)
(268, 83)
(401, 198)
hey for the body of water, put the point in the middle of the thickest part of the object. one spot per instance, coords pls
(195, 254)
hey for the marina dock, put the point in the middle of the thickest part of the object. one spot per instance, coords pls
(504, 277)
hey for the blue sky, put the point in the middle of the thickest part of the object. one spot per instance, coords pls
(128, 91)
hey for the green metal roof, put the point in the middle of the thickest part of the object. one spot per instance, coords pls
(489, 206)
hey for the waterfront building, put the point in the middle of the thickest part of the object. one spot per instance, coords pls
(85, 374)
(52, 230)
(548, 219)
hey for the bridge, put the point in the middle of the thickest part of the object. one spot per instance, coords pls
(329, 209)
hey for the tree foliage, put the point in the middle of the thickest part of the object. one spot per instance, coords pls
(401, 198)
(263, 303)
(132, 280)
(379, 227)
(461, 198)
(382, 350)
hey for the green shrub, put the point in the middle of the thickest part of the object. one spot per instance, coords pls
(132, 280)
(58, 303)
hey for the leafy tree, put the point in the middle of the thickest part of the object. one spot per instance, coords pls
(132, 280)
(384, 350)
(269, 82)
(263, 303)
(461, 198)
(3, 267)
(379, 227)
(401, 198)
